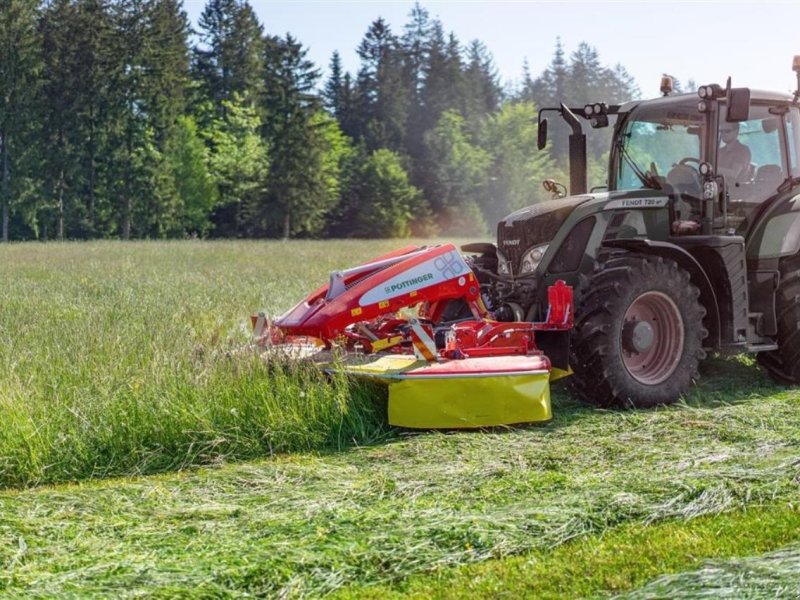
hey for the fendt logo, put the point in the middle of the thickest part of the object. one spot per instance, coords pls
(401, 285)
(511, 242)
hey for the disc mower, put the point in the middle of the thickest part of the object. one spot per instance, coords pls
(415, 320)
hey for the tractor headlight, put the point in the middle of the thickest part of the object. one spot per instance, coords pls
(503, 266)
(532, 258)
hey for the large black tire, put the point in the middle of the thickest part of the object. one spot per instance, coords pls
(627, 363)
(783, 364)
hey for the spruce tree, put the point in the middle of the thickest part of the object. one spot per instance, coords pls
(381, 96)
(79, 98)
(332, 93)
(297, 195)
(229, 59)
(415, 47)
(482, 90)
(165, 62)
(20, 65)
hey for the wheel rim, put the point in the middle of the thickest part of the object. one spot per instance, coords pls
(652, 338)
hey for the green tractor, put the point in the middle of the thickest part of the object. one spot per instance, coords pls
(693, 245)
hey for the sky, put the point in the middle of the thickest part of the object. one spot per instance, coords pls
(705, 41)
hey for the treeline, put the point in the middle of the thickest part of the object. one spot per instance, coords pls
(118, 120)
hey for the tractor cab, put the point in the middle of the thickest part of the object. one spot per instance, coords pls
(692, 148)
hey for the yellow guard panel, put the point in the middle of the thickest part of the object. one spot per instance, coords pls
(453, 403)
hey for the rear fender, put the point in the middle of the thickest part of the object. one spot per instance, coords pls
(777, 231)
(708, 296)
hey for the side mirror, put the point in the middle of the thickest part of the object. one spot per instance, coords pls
(738, 105)
(541, 141)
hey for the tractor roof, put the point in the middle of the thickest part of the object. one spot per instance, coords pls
(755, 95)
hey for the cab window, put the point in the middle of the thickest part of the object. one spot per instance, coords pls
(752, 159)
(792, 119)
(655, 141)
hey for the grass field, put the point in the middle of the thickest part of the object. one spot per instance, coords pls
(121, 359)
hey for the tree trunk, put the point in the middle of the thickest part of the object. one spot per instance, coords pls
(126, 218)
(286, 226)
(60, 232)
(92, 178)
(5, 186)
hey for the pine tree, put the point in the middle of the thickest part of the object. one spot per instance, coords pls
(415, 48)
(134, 153)
(550, 90)
(332, 93)
(165, 62)
(415, 45)
(527, 86)
(230, 59)
(482, 90)
(297, 193)
(187, 160)
(20, 64)
(443, 90)
(443, 83)
(79, 99)
(348, 119)
(381, 96)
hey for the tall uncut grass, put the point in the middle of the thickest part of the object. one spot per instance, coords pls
(126, 358)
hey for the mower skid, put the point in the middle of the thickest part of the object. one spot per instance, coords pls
(470, 403)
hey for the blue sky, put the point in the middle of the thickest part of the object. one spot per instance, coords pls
(705, 41)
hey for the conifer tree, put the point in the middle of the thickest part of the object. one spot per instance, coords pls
(381, 96)
(333, 92)
(443, 84)
(20, 65)
(79, 100)
(482, 90)
(415, 47)
(297, 192)
(165, 62)
(238, 163)
(230, 60)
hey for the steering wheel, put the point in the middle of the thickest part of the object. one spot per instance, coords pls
(689, 159)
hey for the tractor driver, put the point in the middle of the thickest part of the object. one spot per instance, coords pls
(733, 159)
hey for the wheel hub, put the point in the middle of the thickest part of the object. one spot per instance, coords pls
(637, 336)
(652, 338)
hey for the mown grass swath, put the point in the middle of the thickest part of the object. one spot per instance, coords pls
(306, 525)
(129, 359)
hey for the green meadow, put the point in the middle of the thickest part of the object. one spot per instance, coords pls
(144, 452)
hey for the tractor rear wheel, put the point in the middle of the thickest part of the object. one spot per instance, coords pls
(783, 364)
(639, 332)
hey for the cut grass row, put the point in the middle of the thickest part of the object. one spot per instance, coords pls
(307, 525)
(124, 358)
(650, 561)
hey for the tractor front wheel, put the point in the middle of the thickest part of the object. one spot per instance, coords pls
(639, 332)
(784, 363)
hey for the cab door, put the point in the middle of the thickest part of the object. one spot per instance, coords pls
(769, 204)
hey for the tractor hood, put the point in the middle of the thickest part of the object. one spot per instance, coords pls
(539, 223)
(534, 225)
